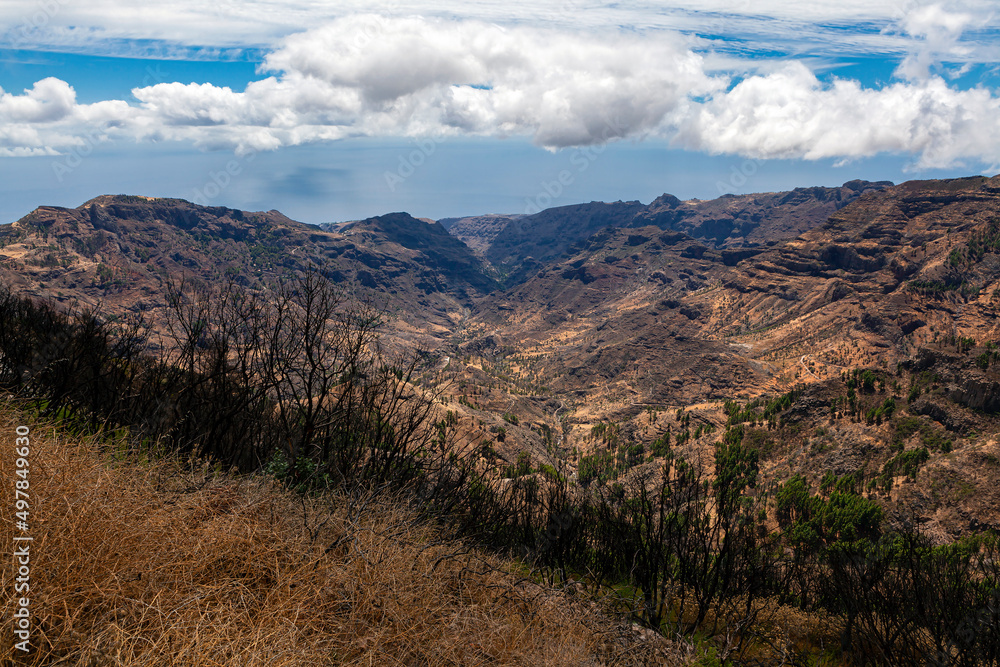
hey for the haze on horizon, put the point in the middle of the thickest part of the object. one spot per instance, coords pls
(446, 109)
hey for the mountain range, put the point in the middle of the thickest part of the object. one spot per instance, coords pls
(554, 329)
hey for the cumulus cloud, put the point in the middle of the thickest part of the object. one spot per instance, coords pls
(46, 118)
(267, 115)
(370, 75)
(791, 114)
(48, 100)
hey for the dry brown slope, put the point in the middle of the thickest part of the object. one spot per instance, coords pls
(884, 275)
(161, 563)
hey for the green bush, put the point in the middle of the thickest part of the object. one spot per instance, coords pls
(814, 523)
(661, 446)
(521, 467)
(599, 467)
(550, 472)
(905, 463)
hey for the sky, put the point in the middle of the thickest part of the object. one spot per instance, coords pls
(332, 111)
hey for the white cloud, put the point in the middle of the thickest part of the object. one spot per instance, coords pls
(132, 27)
(269, 114)
(48, 100)
(46, 118)
(370, 75)
(937, 32)
(561, 88)
(791, 114)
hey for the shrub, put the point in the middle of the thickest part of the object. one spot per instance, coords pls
(661, 446)
(521, 467)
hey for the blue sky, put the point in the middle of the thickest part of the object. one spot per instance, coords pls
(332, 113)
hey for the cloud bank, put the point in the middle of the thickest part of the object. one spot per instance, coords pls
(817, 27)
(371, 75)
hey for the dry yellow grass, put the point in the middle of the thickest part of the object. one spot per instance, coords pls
(162, 564)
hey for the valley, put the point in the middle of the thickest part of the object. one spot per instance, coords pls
(580, 336)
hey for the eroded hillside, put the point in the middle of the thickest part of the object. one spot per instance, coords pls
(635, 324)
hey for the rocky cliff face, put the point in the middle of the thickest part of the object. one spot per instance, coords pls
(427, 243)
(888, 273)
(739, 225)
(526, 244)
(883, 275)
(754, 220)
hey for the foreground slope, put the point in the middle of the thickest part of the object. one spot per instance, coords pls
(163, 563)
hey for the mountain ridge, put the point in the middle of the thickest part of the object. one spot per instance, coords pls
(517, 246)
(114, 246)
